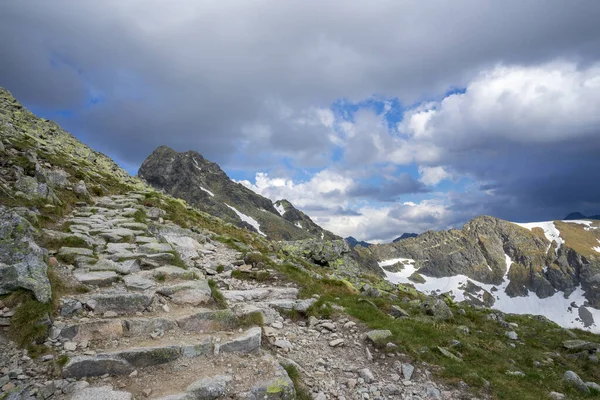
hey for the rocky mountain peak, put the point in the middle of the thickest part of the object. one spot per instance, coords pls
(205, 185)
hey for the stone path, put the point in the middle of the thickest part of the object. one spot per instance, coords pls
(145, 325)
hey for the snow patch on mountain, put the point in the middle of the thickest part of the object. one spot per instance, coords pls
(207, 191)
(280, 209)
(246, 218)
(557, 308)
(298, 224)
(550, 230)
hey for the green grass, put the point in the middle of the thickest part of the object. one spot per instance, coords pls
(259, 276)
(55, 244)
(302, 392)
(251, 319)
(62, 360)
(140, 216)
(216, 294)
(486, 353)
(220, 269)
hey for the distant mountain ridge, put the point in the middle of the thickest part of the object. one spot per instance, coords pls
(354, 242)
(578, 215)
(405, 236)
(205, 185)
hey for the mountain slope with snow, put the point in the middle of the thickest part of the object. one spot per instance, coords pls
(549, 268)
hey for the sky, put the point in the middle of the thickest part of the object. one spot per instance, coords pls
(374, 117)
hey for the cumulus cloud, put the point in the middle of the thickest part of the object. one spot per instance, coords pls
(433, 175)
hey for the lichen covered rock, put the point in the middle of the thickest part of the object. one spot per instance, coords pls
(22, 263)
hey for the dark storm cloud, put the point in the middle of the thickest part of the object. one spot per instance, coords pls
(389, 190)
(191, 74)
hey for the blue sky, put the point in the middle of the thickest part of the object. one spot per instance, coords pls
(374, 118)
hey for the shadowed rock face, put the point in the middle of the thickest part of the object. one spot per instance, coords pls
(204, 185)
(480, 248)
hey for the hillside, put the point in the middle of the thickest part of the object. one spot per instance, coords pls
(111, 289)
(203, 184)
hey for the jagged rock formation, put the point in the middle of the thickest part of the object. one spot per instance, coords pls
(203, 184)
(482, 248)
(334, 254)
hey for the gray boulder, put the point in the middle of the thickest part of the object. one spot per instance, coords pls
(438, 309)
(572, 379)
(209, 388)
(21, 260)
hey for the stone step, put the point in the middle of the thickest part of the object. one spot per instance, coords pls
(200, 378)
(125, 361)
(261, 294)
(121, 303)
(201, 320)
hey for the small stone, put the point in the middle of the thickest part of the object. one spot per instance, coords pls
(110, 314)
(336, 342)
(277, 325)
(557, 396)
(147, 392)
(407, 371)
(283, 344)
(351, 383)
(70, 346)
(512, 335)
(368, 354)
(367, 375)
(133, 374)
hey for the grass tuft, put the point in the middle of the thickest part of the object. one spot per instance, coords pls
(216, 294)
(302, 392)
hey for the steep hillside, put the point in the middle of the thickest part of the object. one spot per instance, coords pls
(495, 262)
(203, 184)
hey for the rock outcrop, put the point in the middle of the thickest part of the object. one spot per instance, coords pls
(22, 264)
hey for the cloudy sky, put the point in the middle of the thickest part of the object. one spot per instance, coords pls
(374, 117)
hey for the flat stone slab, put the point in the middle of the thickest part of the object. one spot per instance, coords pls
(84, 366)
(245, 343)
(136, 226)
(148, 356)
(123, 267)
(172, 272)
(261, 294)
(121, 302)
(75, 251)
(100, 393)
(153, 248)
(100, 278)
(119, 247)
(207, 320)
(145, 239)
(93, 330)
(135, 282)
(191, 293)
(145, 326)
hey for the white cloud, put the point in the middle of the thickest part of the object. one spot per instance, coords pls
(431, 176)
